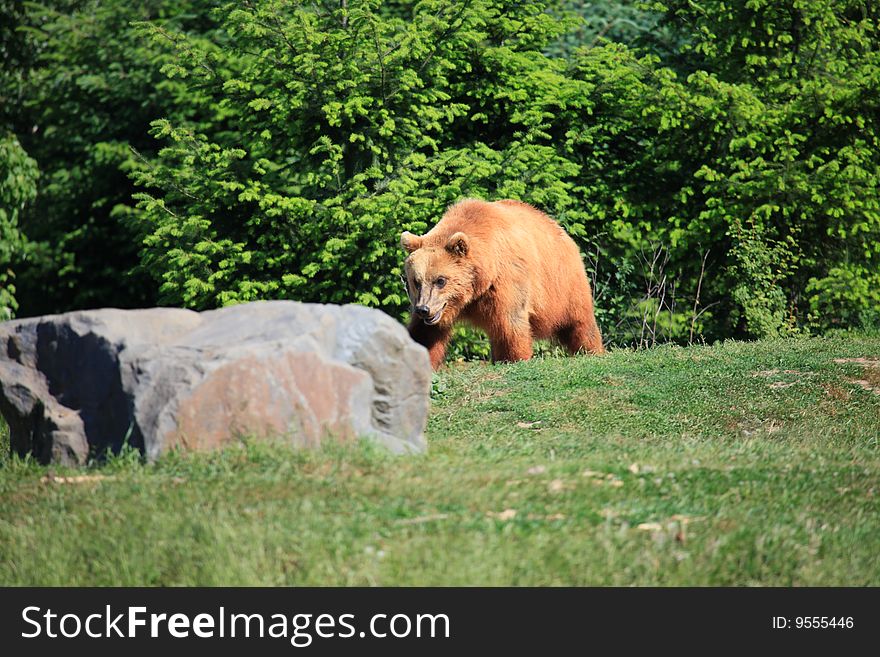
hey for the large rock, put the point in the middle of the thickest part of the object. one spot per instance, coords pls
(76, 384)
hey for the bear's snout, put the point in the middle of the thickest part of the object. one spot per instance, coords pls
(425, 314)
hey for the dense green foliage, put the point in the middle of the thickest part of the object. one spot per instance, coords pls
(797, 185)
(717, 162)
(18, 174)
(81, 93)
(739, 464)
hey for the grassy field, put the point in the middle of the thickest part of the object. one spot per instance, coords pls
(736, 464)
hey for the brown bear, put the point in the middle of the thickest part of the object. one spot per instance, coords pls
(506, 268)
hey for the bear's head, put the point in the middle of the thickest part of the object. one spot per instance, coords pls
(439, 276)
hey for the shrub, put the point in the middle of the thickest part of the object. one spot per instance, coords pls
(82, 91)
(18, 177)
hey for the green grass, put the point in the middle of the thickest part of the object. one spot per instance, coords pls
(736, 464)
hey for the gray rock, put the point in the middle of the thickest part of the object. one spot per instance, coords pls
(77, 384)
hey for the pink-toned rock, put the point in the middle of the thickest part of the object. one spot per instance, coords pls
(77, 384)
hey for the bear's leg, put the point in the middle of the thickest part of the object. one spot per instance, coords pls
(583, 334)
(433, 338)
(509, 346)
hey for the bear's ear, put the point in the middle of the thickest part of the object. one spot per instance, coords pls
(409, 241)
(457, 244)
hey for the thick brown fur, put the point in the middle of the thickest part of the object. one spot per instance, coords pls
(506, 268)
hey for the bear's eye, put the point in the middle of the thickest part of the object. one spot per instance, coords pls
(440, 282)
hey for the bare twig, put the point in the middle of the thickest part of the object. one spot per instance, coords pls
(654, 275)
(695, 314)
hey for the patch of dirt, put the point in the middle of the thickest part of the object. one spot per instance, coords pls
(864, 362)
(866, 385)
(778, 385)
(870, 380)
(558, 485)
(602, 479)
(550, 518)
(507, 514)
(479, 395)
(77, 479)
(836, 392)
(754, 427)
